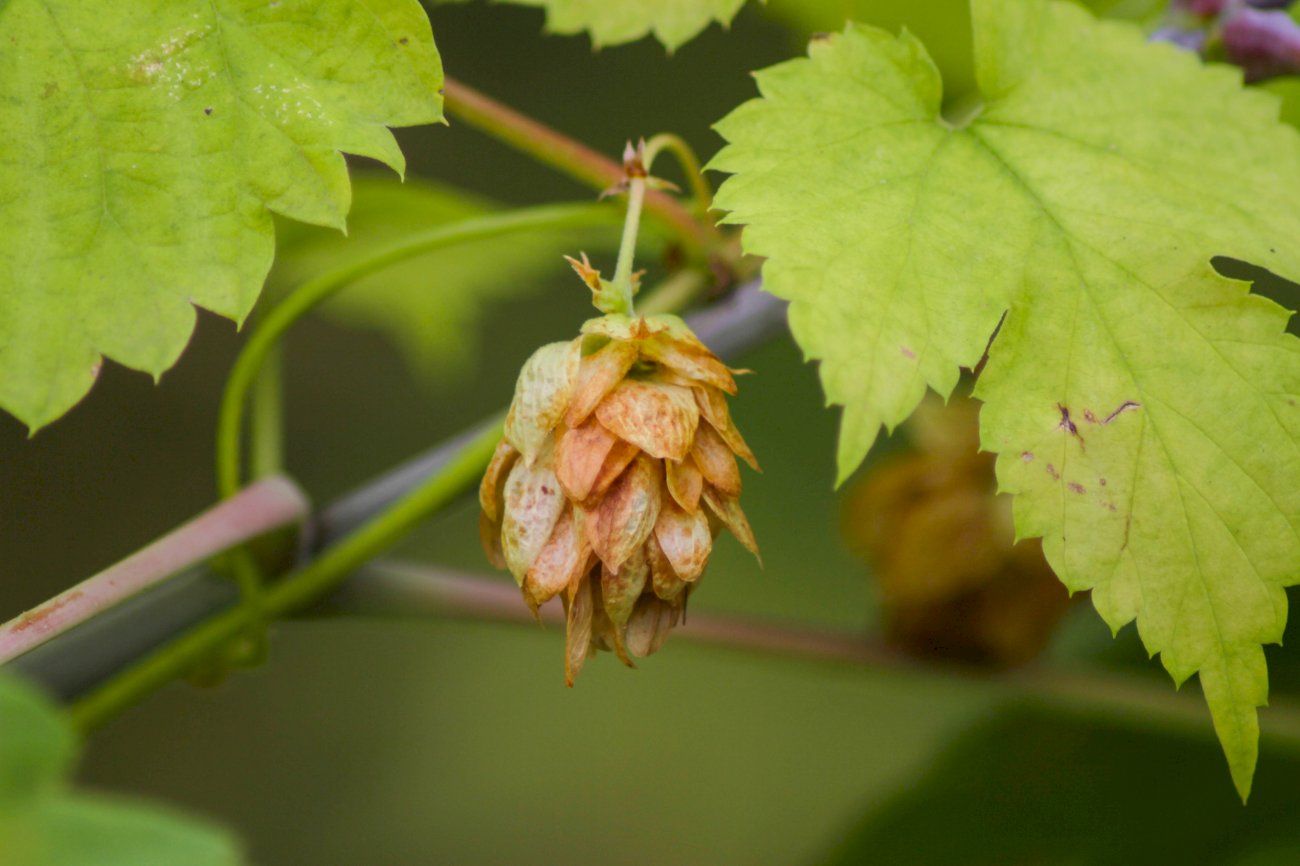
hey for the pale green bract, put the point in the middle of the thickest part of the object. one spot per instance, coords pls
(42, 823)
(611, 22)
(146, 148)
(1144, 409)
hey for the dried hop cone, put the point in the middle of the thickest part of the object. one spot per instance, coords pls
(616, 472)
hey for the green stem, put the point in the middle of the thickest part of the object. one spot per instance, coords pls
(690, 165)
(295, 591)
(590, 168)
(279, 319)
(266, 457)
(627, 247)
(266, 419)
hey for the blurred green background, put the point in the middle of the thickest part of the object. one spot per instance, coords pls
(367, 742)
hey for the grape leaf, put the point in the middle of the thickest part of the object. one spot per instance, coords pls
(611, 22)
(146, 149)
(1144, 408)
(428, 306)
(42, 824)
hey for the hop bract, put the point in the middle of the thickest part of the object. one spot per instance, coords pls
(616, 471)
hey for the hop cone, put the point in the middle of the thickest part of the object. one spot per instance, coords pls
(953, 581)
(616, 472)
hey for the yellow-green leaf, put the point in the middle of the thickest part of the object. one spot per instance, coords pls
(146, 148)
(611, 22)
(1144, 409)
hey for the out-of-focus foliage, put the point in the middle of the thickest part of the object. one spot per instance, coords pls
(1030, 789)
(1288, 90)
(42, 823)
(430, 306)
(155, 143)
(1086, 208)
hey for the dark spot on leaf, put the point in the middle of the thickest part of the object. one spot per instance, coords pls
(1101, 481)
(208, 110)
(1121, 409)
(403, 41)
(1089, 417)
(1051, 470)
(1076, 487)
(1067, 424)
(546, 491)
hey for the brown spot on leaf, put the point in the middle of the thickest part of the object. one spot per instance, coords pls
(1067, 424)
(1027, 456)
(1089, 417)
(1051, 470)
(1121, 409)
(1076, 487)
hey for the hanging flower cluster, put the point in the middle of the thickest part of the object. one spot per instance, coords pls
(616, 472)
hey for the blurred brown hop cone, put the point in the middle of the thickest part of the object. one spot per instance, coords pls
(953, 583)
(616, 472)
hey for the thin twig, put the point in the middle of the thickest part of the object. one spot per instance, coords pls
(569, 156)
(391, 588)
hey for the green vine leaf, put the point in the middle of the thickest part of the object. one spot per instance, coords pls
(42, 824)
(1144, 408)
(612, 22)
(429, 306)
(148, 147)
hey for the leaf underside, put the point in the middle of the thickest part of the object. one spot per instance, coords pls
(146, 150)
(612, 22)
(1143, 408)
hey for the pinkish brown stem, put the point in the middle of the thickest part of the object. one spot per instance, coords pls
(410, 589)
(270, 504)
